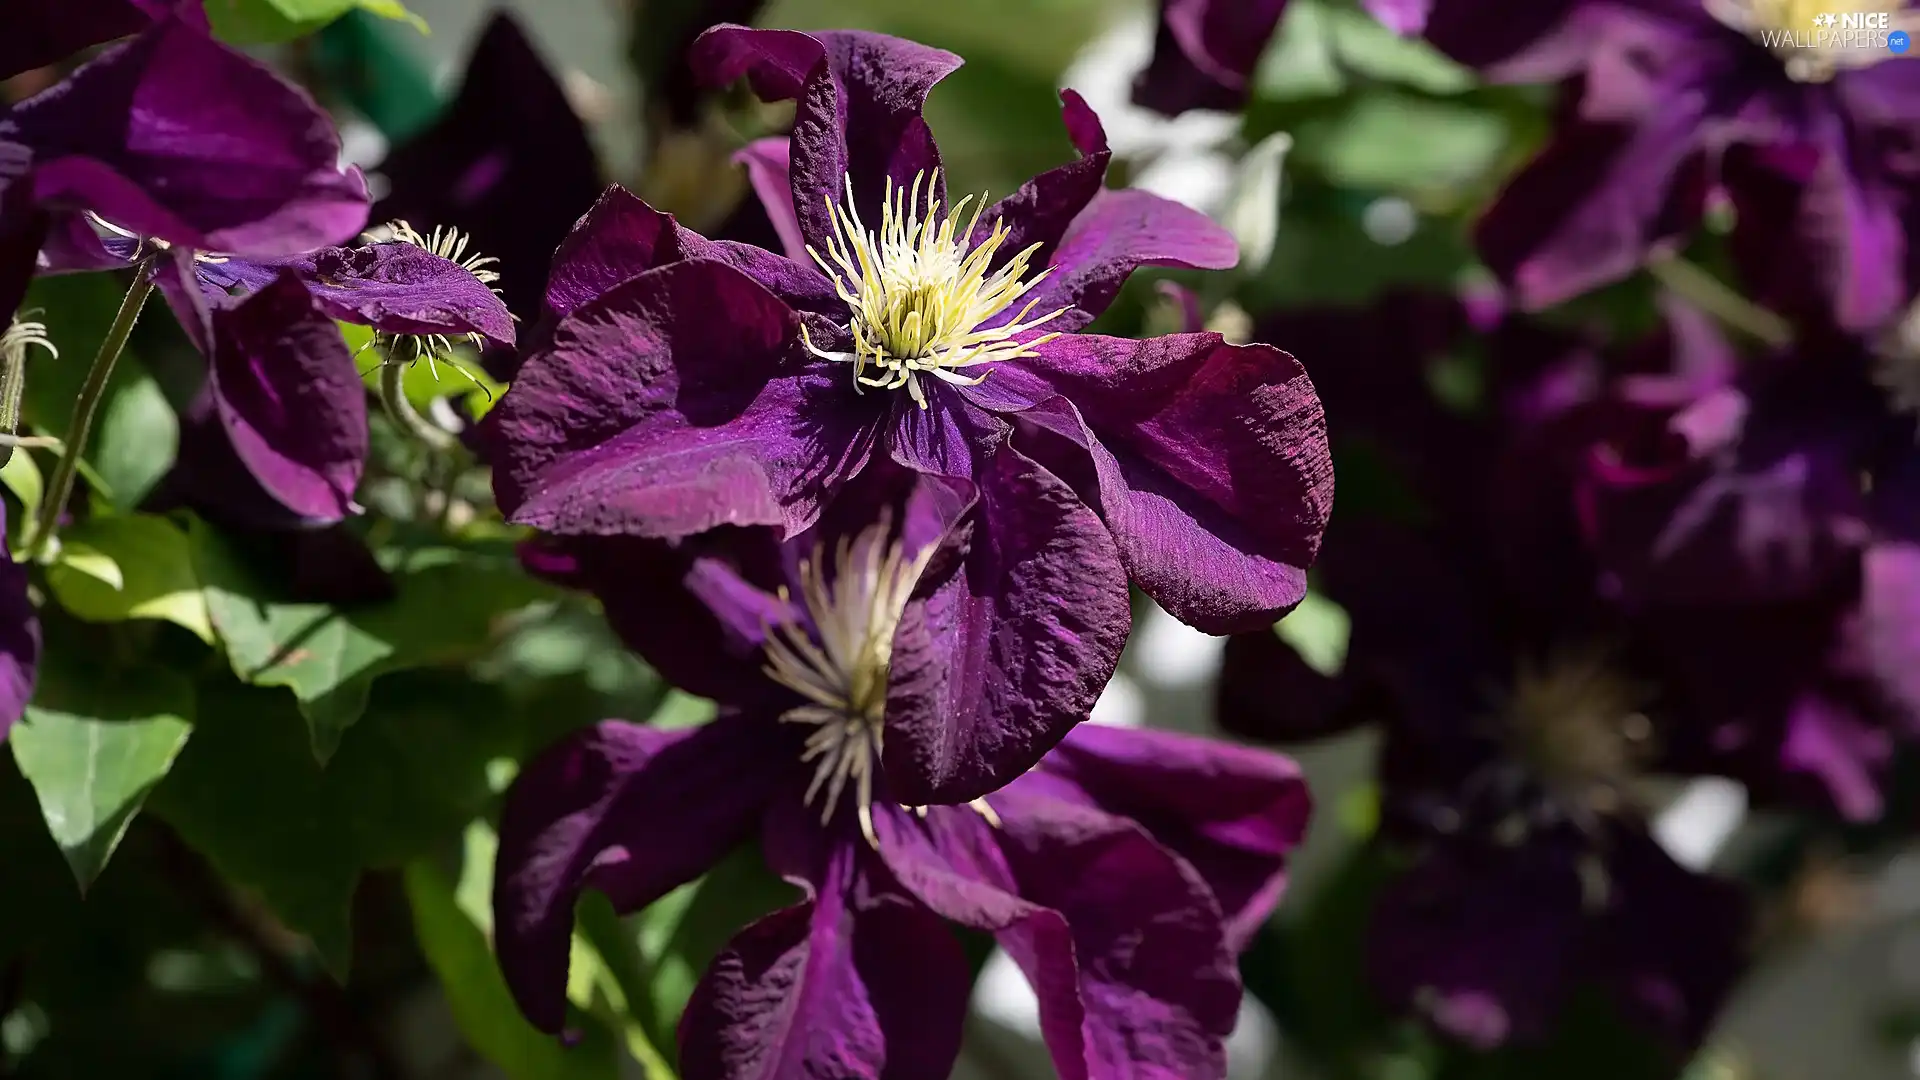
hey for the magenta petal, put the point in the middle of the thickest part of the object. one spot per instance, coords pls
(861, 983)
(1404, 17)
(178, 137)
(19, 636)
(859, 97)
(670, 405)
(402, 289)
(290, 399)
(1234, 813)
(1119, 232)
(769, 167)
(1009, 653)
(1205, 53)
(620, 237)
(629, 811)
(1591, 206)
(1213, 466)
(1890, 620)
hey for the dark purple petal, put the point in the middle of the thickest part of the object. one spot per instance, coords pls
(177, 137)
(1486, 948)
(1234, 813)
(629, 811)
(1008, 654)
(859, 97)
(1119, 232)
(1591, 206)
(1268, 692)
(1890, 621)
(861, 983)
(290, 400)
(1213, 467)
(1041, 211)
(19, 636)
(402, 289)
(617, 239)
(509, 164)
(1205, 53)
(769, 168)
(670, 405)
(38, 33)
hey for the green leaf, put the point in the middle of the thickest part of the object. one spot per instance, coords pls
(1253, 210)
(22, 477)
(1318, 630)
(93, 743)
(446, 611)
(267, 22)
(152, 573)
(248, 794)
(455, 945)
(136, 440)
(1395, 142)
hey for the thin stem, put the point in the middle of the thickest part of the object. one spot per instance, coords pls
(60, 488)
(393, 395)
(1713, 296)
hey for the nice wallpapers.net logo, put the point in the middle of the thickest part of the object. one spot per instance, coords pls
(1843, 30)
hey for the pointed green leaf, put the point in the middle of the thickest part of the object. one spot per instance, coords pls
(93, 744)
(136, 440)
(1318, 630)
(152, 573)
(22, 477)
(266, 22)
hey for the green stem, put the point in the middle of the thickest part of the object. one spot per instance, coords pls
(60, 488)
(393, 394)
(1713, 296)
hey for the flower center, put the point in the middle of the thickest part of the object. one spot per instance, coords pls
(1576, 723)
(919, 294)
(451, 245)
(1814, 39)
(840, 667)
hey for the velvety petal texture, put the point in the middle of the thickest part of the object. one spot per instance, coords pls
(395, 287)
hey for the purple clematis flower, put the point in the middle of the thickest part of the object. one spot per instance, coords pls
(1807, 133)
(1122, 873)
(19, 631)
(179, 139)
(691, 383)
(1517, 703)
(35, 33)
(509, 164)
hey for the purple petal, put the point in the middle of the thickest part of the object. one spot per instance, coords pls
(1404, 17)
(627, 810)
(1212, 464)
(769, 167)
(1041, 211)
(1205, 53)
(401, 289)
(862, 982)
(1592, 205)
(1268, 692)
(1008, 654)
(39, 33)
(859, 96)
(508, 163)
(671, 405)
(19, 636)
(617, 239)
(177, 137)
(1234, 813)
(290, 399)
(1890, 621)
(1119, 232)
(1484, 947)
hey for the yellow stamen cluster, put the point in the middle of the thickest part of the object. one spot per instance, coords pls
(1576, 720)
(843, 674)
(919, 293)
(451, 245)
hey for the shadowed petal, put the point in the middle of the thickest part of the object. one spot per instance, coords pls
(629, 811)
(1119, 232)
(858, 100)
(1234, 813)
(509, 164)
(769, 167)
(1011, 651)
(1212, 464)
(861, 983)
(19, 637)
(1045, 206)
(175, 136)
(290, 400)
(1205, 53)
(670, 405)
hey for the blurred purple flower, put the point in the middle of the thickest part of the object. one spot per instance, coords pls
(178, 139)
(1206, 460)
(1812, 141)
(36, 33)
(1517, 709)
(1122, 873)
(19, 637)
(509, 164)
